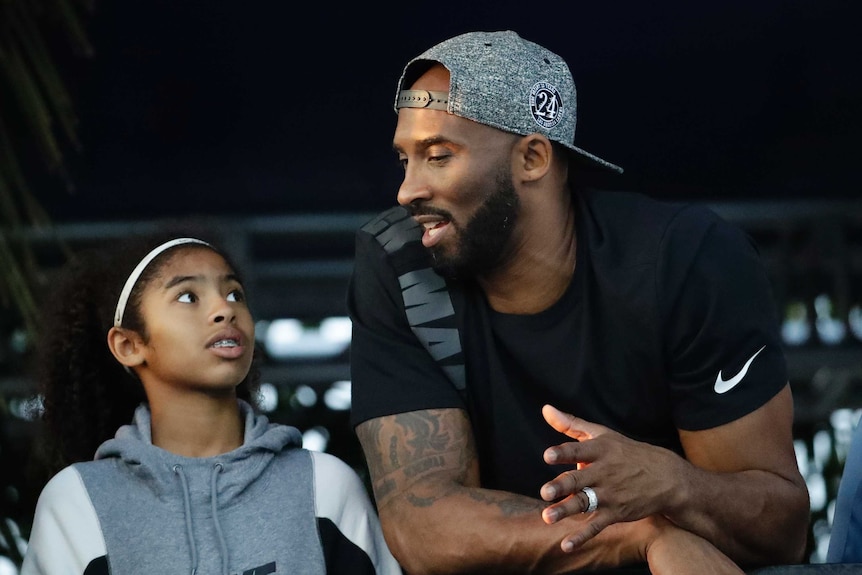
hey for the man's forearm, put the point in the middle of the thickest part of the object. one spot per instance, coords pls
(473, 529)
(756, 517)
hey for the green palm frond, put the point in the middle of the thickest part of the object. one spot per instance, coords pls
(37, 124)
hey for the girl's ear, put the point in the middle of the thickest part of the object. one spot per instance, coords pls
(126, 346)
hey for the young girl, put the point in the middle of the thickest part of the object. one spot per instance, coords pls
(194, 480)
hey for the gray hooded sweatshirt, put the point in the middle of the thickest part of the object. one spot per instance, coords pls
(267, 507)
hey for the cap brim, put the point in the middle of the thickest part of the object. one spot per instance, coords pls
(589, 160)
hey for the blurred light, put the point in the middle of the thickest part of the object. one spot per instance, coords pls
(854, 319)
(801, 450)
(7, 567)
(315, 439)
(268, 397)
(19, 340)
(290, 339)
(843, 421)
(336, 329)
(830, 329)
(304, 396)
(795, 329)
(29, 408)
(337, 397)
(817, 491)
(821, 532)
(822, 444)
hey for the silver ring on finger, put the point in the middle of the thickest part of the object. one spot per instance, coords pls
(592, 499)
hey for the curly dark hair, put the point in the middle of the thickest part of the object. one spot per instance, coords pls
(86, 393)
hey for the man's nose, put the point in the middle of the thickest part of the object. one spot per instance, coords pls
(412, 188)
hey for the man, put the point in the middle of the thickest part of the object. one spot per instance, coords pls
(549, 378)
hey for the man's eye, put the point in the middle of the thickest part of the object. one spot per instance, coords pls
(187, 297)
(236, 295)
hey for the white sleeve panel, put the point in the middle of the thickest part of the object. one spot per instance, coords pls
(66, 534)
(341, 497)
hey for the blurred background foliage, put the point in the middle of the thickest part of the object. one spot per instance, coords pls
(38, 127)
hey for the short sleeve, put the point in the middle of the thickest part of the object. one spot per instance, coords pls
(723, 349)
(392, 371)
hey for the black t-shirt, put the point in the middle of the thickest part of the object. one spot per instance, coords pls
(667, 303)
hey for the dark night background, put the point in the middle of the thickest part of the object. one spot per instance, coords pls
(273, 107)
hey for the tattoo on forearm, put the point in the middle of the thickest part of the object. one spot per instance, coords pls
(401, 450)
(417, 501)
(425, 429)
(424, 465)
(393, 452)
(383, 488)
(508, 504)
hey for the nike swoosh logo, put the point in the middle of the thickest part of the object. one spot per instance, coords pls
(722, 386)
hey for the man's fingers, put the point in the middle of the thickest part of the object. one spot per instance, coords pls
(583, 500)
(590, 530)
(562, 422)
(575, 504)
(568, 424)
(566, 483)
(573, 452)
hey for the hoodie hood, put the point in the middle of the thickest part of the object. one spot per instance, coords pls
(157, 467)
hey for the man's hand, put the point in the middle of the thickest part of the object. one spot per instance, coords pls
(631, 480)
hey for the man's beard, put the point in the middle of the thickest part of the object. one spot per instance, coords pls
(485, 239)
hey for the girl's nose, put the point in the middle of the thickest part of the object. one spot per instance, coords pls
(223, 312)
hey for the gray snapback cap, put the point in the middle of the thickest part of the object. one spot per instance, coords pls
(501, 80)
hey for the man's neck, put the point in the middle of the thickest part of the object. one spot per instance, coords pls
(541, 265)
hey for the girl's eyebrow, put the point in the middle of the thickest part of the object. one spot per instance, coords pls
(176, 280)
(180, 279)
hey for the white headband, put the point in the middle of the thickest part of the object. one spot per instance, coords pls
(139, 269)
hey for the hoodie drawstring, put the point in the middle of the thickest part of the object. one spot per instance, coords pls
(218, 468)
(178, 469)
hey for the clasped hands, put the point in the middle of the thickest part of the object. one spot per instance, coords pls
(630, 479)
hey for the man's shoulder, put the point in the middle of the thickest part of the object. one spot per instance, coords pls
(625, 208)
(637, 224)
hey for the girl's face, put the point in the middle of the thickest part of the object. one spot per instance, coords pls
(201, 333)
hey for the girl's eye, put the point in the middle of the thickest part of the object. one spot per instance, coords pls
(187, 297)
(236, 295)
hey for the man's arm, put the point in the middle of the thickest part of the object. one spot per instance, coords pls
(750, 498)
(436, 518)
(739, 487)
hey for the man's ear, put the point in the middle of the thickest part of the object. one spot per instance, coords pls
(126, 345)
(534, 155)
